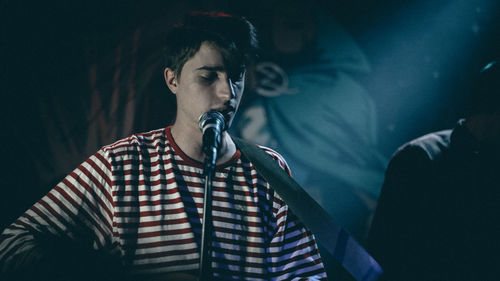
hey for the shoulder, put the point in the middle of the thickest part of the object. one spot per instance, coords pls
(248, 147)
(147, 141)
(431, 145)
(420, 154)
(276, 156)
(278, 203)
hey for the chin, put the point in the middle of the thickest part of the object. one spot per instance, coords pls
(228, 118)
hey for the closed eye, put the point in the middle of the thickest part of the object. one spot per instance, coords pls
(238, 75)
(209, 78)
(238, 78)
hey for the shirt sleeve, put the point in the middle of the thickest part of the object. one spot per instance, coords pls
(76, 213)
(293, 253)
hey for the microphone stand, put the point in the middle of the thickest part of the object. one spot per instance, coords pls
(205, 273)
(211, 123)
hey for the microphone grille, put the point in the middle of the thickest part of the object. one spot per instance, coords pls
(211, 118)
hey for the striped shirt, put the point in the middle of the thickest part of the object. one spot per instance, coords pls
(141, 198)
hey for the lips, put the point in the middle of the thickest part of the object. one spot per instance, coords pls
(228, 112)
(228, 108)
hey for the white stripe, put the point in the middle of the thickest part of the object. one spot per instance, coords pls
(168, 248)
(295, 244)
(166, 259)
(154, 239)
(235, 247)
(237, 227)
(86, 195)
(149, 229)
(237, 237)
(237, 217)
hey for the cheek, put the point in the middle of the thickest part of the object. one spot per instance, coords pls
(238, 90)
(192, 92)
(239, 94)
(197, 99)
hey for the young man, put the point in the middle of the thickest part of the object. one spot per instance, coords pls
(138, 203)
(439, 210)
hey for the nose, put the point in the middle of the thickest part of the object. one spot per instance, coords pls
(226, 89)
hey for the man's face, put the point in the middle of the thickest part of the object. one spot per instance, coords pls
(204, 85)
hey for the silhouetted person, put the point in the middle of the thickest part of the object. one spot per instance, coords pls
(438, 216)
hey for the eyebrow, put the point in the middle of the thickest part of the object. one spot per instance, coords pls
(212, 68)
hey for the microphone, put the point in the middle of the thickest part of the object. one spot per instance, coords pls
(212, 124)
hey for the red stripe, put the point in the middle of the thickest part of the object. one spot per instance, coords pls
(75, 218)
(147, 213)
(239, 221)
(142, 184)
(156, 233)
(82, 197)
(244, 253)
(244, 243)
(76, 205)
(242, 233)
(167, 253)
(103, 173)
(235, 211)
(297, 247)
(153, 223)
(47, 220)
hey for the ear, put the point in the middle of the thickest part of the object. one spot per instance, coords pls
(170, 79)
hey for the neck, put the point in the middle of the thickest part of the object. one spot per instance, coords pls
(190, 141)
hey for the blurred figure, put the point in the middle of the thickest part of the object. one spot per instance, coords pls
(439, 210)
(307, 103)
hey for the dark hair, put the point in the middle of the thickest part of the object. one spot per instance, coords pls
(234, 36)
(485, 94)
